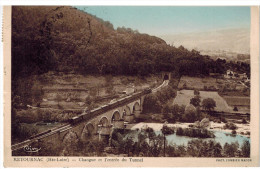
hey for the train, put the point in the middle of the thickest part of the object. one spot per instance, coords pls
(98, 111)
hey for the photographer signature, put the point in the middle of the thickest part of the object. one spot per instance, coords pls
(30, 149)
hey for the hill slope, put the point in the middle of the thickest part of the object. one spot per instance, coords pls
(66, 39)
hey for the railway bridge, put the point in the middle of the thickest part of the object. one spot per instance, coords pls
(98, 122)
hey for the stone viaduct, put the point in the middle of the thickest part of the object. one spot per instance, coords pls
(92, 124)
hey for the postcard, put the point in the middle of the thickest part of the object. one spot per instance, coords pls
(131, 86)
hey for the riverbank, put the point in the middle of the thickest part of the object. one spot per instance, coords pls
(242, 129)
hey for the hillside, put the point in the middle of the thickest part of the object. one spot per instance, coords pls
(45, 39)
(66, 39)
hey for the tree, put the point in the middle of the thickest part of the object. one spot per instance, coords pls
(196, 92)
(235, 108)
(166, 131)
(208, 104)
(151, 104)
(128, 145)
(190, 114)
(195, 101)
(246, 148)
(151, 134)
(217, 150)
(230, 150)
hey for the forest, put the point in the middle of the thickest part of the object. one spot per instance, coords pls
(44, 39)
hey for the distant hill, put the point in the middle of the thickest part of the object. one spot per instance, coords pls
(211, 42)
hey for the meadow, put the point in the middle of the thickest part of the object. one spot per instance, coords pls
(183, 98)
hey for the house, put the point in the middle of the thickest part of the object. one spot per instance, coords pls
(242, 76)
(229, 74)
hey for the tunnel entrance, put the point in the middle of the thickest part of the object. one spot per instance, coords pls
(166, 77)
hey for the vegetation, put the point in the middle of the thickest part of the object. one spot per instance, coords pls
(166, 131)
(230, 126)
(193, 132)
(208, 104)
(246, 149)
(154, 102)
(140, 143)
(195, 101)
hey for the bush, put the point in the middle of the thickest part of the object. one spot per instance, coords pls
(209, 104)
(179, 131)
(196, 92)
(151, 104)
(245, 149)
(193, 132)
(230, 126)
(234, 132)
(230, 150)
(224, 120)
(235, 108)
(244, 121)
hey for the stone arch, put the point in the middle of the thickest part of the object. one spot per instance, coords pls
(136, 109)
(115, 116)
(104, 122)
(71, 138)
(127, 110)
(89, 130)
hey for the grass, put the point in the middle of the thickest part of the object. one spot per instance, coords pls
(237, 100)
(197, 82)
(183, 98)
(231, 86)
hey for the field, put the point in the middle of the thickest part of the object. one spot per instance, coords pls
(210, 83)
(197, 82)
(242, 103)
(225, 104)
(183, 98)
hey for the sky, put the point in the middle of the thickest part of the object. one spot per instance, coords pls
(165, 20)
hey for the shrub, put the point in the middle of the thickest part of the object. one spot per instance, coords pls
(151, 104)
(209, 104)
(230, 150)
(235, 108)
(193, 132)
(195, 101)
(234, 132)
(224, 120)
(244, 121)
(245, 149)
(230, 126)
(196, 92)
(179, 131)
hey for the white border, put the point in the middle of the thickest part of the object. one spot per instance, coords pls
(103, 3)
(135, 2)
